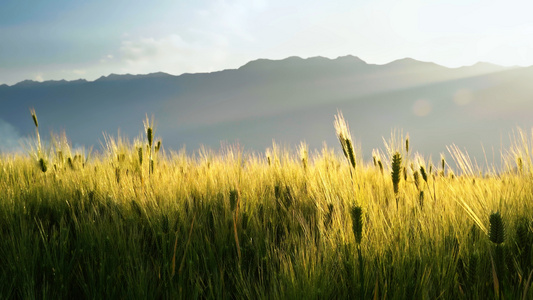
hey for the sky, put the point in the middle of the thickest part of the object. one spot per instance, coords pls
(60, 39)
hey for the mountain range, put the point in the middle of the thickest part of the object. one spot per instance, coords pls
(289, 100)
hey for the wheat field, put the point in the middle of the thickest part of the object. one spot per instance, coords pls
(135, 221)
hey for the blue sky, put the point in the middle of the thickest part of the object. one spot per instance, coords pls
(57, 39)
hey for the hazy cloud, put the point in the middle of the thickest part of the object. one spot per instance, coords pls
(11, 140)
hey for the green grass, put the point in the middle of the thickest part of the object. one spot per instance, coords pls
(229, 224)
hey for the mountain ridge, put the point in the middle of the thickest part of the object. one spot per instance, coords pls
(287, 100)
(353, 60)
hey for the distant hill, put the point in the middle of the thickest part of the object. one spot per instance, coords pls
(289, 100)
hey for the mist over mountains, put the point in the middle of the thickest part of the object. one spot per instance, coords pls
(289, 101)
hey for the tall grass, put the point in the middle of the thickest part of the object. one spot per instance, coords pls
(228, 224)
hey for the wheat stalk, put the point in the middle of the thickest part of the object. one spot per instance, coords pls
(345, 138)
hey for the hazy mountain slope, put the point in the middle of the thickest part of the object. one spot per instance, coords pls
(287, 100)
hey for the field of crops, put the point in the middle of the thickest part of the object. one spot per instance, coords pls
(135, 221)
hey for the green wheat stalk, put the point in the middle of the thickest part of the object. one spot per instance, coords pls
(149, 128)
(357, 227)
(395, 174)
(497, 236)
(396, 169)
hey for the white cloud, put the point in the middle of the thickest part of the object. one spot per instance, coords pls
(172, 54)
(221, 35)
(106, 58)
(135, 51)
